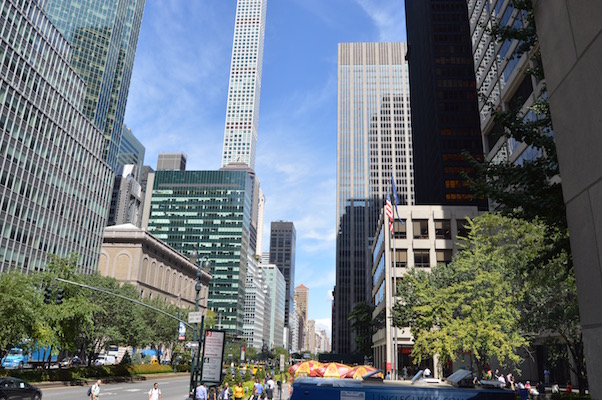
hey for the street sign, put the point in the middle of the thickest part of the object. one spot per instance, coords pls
(213, 356)
(192, 345)
(195, 317)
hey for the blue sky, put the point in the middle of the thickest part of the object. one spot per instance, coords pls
(177, 102)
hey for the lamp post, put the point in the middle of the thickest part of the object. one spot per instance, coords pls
(198, 331)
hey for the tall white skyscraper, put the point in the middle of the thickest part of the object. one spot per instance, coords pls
(373, 143)
(242, 111)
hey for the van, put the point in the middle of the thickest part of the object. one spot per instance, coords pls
(372, 389)
(105, 359)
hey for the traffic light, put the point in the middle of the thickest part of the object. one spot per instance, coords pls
(60, 293)
(47, 295)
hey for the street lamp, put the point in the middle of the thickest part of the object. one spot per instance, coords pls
(198, 331)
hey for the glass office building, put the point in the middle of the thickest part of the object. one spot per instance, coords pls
(104, 36)
(373, 143)
(131, 151)
(209, 212)
(283, 243)
(54, 183)
(445, 114)
(242, 109)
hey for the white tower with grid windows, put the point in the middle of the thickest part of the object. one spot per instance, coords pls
(242, 111)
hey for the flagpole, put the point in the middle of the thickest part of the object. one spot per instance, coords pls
(394, 293)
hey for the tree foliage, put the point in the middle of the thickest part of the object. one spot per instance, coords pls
(361, 323)
(87, 321)
(471, 305)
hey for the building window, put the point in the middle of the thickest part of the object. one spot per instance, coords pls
(463, 228)
(421, 259)
(400, 229)
(421, 229)
(444, 256)
(443, 229)
(401, 258)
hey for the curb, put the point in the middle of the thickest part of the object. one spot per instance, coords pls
(108, 380)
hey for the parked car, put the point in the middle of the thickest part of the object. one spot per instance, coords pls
(105, 360)
(67, 362)
(17, 389)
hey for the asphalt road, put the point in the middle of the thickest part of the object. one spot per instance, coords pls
(172, 388)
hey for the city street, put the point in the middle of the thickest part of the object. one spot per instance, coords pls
(172, 388)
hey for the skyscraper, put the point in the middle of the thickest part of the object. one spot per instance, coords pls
(131, 151)
(54, 183)
(373, 144)
(104, 36)
(445, 117)
(283, 238)
(277, 287)
(208, 213)
(301, 300)
(242, 110)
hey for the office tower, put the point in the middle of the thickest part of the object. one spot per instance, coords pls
(256, 326)
(208, 214)
(131, 151)
(283, 239)
(428, 236)
(502, 81)
(242, 109)
(54, 184)
(171, 162)
(373, 143)
(277, 287)
(127, 197)
(301, 300)
(445, 117)
(103, 35)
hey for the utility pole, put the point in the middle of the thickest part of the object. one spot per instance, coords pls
(196, 365)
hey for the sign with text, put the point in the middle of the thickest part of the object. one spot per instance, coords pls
(213, 356)
(281, 362)
(195, 317)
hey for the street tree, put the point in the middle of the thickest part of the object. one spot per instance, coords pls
(21, 308)
(470, 306)
(361, 323)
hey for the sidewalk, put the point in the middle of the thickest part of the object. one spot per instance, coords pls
(91, 381)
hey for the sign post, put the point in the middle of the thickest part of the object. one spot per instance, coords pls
(213, 357)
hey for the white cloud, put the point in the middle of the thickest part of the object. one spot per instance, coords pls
(388, 16)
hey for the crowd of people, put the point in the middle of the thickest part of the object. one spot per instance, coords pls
(262, 390)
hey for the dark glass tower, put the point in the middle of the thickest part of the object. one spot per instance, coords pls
(445, 116)
(209, 213)
(104, 36)
(283, 239)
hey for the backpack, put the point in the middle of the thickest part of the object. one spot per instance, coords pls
(89, 391)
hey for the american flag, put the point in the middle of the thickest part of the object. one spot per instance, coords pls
(389, 211)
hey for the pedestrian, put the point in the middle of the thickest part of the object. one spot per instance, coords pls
(569, 388)
(239, 391)
(541, 388)
(254, 395)
(212, 394)
(200, 393)
(404, 372)
(95, 390)
(269, 388)
(225, 393)
(427, 372)
(259, 388)
(546, 375)
(155, 392)
(388, 377)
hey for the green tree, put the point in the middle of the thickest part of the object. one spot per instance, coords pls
(361, 323)
(21, 309)
(250, 353)
(471, 304)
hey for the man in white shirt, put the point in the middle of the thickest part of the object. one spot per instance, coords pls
(154, 393)
(269, 388)
(427, 372)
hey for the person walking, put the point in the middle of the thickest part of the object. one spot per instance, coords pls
(259, 388)
(95, 390)
(226, 393)
(200, 393)
(155, 392)
(269, 388)
(212, 394)
(239, 391)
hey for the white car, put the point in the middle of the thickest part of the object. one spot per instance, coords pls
(105, 360)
